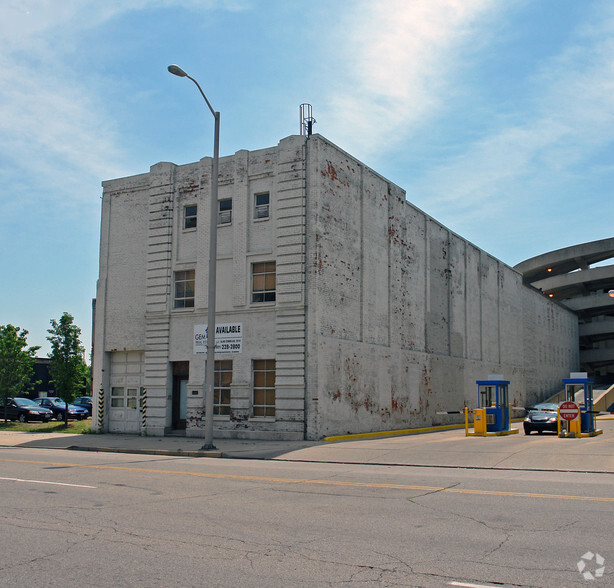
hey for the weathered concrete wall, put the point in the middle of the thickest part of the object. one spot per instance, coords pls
(550, 345)
(404, 315)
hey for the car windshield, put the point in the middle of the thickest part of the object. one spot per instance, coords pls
(545, 407)
(24, 402)
(58, 402)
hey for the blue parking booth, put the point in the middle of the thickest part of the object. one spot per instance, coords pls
(579, 389)
(494, 408)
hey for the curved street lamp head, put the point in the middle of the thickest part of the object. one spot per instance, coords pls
(177, 71)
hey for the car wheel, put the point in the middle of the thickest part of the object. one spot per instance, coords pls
(23, 418)
(59, 416)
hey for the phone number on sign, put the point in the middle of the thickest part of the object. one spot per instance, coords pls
(228, 346)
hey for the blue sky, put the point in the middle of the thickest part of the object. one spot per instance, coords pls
(495, 116)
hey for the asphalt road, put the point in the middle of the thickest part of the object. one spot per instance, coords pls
(105, 519)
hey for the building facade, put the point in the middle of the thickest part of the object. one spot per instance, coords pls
(579, 278)
(341, 308)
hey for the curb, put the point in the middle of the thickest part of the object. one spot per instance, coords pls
(393, 433)
(177, 453)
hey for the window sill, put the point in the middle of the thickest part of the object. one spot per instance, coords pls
(269, 303)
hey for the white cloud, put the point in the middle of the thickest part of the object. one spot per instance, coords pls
(572, 119)
(56, 127)
(397, 62)
(23, 19)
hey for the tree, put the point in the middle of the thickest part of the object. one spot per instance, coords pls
(16, 363)
(67, 368)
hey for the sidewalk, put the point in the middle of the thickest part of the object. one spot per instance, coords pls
(436, 449)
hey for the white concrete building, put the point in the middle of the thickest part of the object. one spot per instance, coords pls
(357, 312)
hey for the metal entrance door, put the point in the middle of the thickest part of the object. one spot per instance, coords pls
(181, 375)
(180, 402)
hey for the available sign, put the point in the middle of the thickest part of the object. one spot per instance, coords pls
(228, 338)
(569, 411)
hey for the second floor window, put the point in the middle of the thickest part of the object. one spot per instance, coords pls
(224, 216)
(184, 289)
(263, 282)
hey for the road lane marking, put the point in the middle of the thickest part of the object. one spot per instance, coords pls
(471, 585)
(46, 482)
(430, 489)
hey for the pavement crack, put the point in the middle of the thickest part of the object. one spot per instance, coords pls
(433, 491)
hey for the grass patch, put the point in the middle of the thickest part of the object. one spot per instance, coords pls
(75, 427)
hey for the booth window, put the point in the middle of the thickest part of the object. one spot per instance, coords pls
(264, 387)
(184, 289)
(221, 387)
(263, 281)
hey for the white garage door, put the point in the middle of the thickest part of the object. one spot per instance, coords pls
(124, 408)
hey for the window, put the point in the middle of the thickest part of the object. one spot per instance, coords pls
(131, 397)
(189, 216)
(262, 205)
(221, 387)
(123, 397)
(184, 289)
(264, 387)
(224, 216)
(117, 397)
(263, 282)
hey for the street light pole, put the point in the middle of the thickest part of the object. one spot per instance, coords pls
(210, 362)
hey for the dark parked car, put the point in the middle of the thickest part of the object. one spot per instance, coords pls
(542, 417)
(58, 406)
(84, 402)
(24, 410)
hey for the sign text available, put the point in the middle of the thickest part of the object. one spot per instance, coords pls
(228, 338)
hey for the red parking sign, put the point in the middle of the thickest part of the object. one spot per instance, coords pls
(569, 411)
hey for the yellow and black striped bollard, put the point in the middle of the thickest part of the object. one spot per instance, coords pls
(143, 409)
(100, 409)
